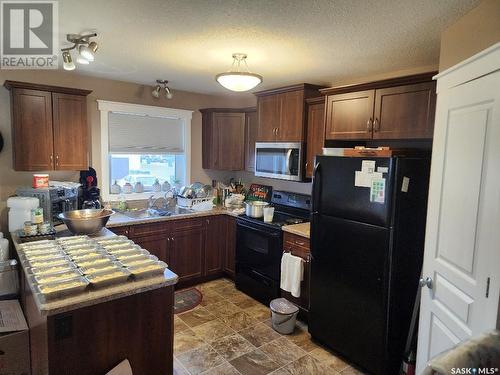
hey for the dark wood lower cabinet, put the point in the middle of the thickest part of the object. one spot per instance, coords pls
(299, 246)
(157, 245)
(215, 244)
(187, 251)
(92, 340)
(230, 248)
(196, 249)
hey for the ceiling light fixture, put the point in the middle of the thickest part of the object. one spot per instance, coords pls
(237, 80)
(86, 50)
(162, 83)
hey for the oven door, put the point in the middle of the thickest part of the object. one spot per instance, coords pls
(258, 260)
(278, 160)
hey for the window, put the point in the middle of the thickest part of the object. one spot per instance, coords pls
(143, 144)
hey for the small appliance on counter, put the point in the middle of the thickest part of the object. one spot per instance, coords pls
(90, 194)
(57, 198)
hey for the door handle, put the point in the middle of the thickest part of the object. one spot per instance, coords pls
(376, 125)
(425, 282)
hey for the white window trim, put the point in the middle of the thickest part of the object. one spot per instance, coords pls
(105, 107)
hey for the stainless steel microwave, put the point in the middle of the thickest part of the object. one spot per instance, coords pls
(280, 160)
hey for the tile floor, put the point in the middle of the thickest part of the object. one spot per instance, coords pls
(230, 333)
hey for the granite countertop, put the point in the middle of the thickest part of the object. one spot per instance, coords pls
(302, 229)
(119, 219)
(93, 296)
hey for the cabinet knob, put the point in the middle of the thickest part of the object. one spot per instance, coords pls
(369, 124)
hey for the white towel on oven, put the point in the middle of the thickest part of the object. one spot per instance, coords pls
(292, 273)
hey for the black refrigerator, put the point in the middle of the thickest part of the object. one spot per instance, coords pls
(367, 239)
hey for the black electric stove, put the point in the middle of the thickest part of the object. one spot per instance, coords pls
(259, 245)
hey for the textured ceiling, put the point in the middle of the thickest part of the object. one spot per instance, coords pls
(287, 41)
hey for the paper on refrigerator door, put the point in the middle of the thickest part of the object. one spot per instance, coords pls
(362, 179)
(377, 190)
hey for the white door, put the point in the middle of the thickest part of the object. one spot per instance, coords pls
(462, 245)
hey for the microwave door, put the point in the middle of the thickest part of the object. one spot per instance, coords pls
(277, 160)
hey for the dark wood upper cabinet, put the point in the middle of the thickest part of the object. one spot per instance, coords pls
(69, 114)
(281, 113)
(315, 132)
(398, 108)
(251, 129)
(49, 127)
(224, 138)
(350, 116)
(268, 112)
(32, 130)
(405, 112)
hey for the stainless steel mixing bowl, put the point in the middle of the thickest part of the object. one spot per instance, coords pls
(87, 221)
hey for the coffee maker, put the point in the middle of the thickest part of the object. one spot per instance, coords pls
(90, 193)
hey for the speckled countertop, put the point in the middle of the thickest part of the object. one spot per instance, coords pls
(93, 296)
(302, 229)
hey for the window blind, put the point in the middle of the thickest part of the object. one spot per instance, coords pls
(136, 134)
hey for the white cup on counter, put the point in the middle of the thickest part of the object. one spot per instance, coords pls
(268, 214)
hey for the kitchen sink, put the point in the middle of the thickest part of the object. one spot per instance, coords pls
(145, 213)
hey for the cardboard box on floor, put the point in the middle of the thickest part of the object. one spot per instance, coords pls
(14, 340)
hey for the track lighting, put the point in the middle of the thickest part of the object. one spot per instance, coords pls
(162, 83)
(86, 50)
(68, 63)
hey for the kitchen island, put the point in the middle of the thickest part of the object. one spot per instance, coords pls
(91, 332)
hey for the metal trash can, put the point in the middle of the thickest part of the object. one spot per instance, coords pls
(284, 315)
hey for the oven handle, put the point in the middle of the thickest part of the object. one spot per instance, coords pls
(288, 161)
(271, 232)
(262, 278)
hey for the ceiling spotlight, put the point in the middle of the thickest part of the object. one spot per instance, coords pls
(162, 83)
(169, 94)
(86, 50)
(82, 60)
(68, 63)
(156, 91)
(236, 79)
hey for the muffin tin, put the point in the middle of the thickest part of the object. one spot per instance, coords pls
(69, 265)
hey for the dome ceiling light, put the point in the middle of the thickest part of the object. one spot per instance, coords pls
(162, 83)
(85, 47)
(236, 79)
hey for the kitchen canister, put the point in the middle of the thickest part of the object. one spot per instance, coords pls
(139, 187)
(20, 211)
(115, 188)
(128, 188)
(157, 186)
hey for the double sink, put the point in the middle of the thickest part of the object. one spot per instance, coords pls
(145, 213)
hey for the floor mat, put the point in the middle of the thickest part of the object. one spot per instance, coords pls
(186, 299)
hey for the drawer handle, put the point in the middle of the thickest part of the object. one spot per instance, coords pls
(300, 243)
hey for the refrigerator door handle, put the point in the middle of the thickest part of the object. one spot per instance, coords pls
(316, 189)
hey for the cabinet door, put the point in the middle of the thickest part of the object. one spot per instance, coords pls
(156, 245)
(291, 125)
(70, 131)
(315, 134)
(187, 252)
(349, 116)
(32, 130)
(251, 129)
(215, 243)
(210, 142)
(268, 109)
(405, 112)
(230, 248)
(230, 128)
